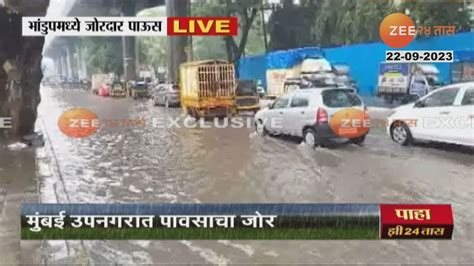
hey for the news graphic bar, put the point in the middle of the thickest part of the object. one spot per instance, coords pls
(94, 26)
(200, 221)
(425, 56)
(129, 26)
(236, 221)
(203, 26)
(416, 221)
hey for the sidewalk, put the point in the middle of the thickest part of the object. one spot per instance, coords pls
(17, 185)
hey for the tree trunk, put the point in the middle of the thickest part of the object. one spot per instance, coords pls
(20, 66)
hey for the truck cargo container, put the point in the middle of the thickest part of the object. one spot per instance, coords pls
(207, 88)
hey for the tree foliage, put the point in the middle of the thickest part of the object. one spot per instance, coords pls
(247, 13)
(434, 13)
(340, 22)
(103, 54)
(290, 24)
(152, 50)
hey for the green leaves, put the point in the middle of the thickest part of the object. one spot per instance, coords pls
(103, 54)
(439, 14)
(233, 48)
(340, 22)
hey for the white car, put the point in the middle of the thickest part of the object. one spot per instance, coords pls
(444, 115)
(307, 113)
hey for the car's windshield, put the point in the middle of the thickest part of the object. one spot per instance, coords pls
(340, 98)
(433, 81)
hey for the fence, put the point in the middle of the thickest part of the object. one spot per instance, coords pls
(364, 59)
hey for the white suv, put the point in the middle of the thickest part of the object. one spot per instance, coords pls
(307, 113)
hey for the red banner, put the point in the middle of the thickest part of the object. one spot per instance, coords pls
(202, 26)
(422, 221)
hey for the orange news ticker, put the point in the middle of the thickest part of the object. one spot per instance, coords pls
(213, 26)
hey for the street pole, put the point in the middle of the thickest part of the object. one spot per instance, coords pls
(128, 46)
(191, 55)
(264, 29)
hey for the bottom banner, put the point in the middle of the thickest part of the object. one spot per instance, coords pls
(200, 221)
(236, 221)
(421, 221)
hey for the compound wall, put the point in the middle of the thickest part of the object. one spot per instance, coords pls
(363, 59)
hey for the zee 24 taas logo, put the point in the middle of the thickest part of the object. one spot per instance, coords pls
(398, 30)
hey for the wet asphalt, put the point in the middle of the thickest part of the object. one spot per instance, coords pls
(229, 165)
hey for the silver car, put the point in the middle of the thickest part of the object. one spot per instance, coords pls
(307, 113)
(166, 95)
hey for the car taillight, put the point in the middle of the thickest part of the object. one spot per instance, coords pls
(321, 116)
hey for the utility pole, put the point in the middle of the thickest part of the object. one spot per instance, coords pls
(191, 55)
(264, 28)
(128, 45)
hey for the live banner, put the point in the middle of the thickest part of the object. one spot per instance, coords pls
(235, 221)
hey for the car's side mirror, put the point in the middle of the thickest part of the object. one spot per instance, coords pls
(419, 104)
(270, 105)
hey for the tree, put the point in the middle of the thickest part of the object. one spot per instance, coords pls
(435, 13)
(103, 54)
(152, 50)
(245, 10)
(289, 25)
(343, 22)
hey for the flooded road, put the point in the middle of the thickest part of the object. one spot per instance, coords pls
(192, 165)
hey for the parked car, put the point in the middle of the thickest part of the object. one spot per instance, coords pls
(307, 113)
(444, 115)
(166, 95)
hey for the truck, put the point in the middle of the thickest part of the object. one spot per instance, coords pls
(146, 72)
(462, 70)
(313, 71)
(98, 80)
(207, 88)
(343, 78)
(310, 70)
(406, 82)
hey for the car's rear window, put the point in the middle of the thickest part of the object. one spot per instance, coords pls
(246, 91)
(340, 98)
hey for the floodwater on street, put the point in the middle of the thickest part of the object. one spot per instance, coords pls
(137, 164)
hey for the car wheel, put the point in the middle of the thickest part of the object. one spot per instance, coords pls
(358, 140)
(310, 137)
(260, 128)
(400, 133)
